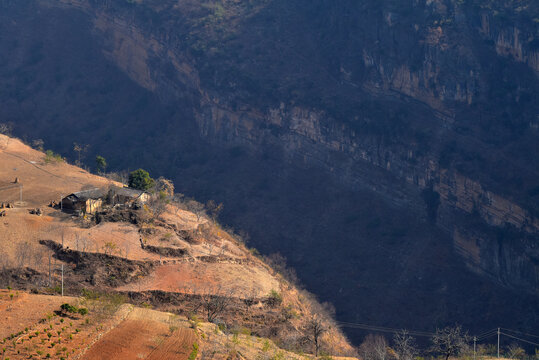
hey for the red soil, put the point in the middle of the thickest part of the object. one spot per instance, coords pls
(142, 339)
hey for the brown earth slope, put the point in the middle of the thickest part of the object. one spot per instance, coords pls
(171, 262)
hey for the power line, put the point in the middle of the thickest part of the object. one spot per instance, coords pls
(520, 332)
(487, 334)
(514, 337)
(382, 329)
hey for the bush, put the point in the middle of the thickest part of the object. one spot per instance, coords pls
(51, 156)
(68, 308)
(194, 352)
(274, 298)
(83, 311)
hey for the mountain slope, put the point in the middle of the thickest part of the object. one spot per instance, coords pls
(174, 260)
(396, 139)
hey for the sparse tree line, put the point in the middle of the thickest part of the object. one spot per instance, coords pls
(448, 342)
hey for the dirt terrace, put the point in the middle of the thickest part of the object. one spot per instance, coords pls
(145, 334)
(192, 278)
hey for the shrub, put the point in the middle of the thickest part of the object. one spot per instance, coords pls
(274, 298)
(194, 352)
(68, 308)
(51, 156)
(83, 311)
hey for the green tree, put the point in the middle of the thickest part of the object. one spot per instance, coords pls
(101, 163)
(140, 179)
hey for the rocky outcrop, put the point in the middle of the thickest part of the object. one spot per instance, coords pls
(512, 42)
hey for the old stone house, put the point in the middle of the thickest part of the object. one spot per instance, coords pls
(86, 201)
(126, 196)
(92, 201)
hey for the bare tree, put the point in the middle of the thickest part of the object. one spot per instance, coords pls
(80, 149)
(197, 208)
(166, 186)
(38, 144)
(214, 301)
(214, 209)
(516, 352)
(449, 341)
(38, 255)
(158, 205)
(5, 261)
(315, 329)
(374, 347)
(6, 128)
(405, 345)
(22, 253)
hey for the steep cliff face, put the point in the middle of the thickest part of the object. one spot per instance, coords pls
(423, 112)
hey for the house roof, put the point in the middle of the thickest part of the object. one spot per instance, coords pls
(89, 194)
(132, 193)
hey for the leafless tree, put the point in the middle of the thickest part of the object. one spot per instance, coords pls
(197, 208)
(405, 346)
(38, 144)
(5, 261)
(210, 248)
(6, 128)
(22, 253)
(165, 185)
(157, 205)
(80, 149)
(374, 347)
(214, 301)
(449, 341)
(214, 209)
(121, 176)
(516, 352)
(316, 328)
(38, 256)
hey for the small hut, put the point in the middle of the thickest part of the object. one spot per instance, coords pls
(87, 201)
(127, 196)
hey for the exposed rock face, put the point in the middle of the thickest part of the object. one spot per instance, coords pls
(429, 105)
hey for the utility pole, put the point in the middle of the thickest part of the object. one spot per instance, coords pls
(498, 343)
(20, 193)
(474, 341)
(62, 280)
(50, 254)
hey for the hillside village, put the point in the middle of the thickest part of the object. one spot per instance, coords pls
(160, 279)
